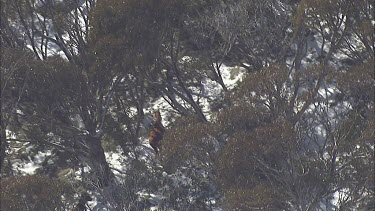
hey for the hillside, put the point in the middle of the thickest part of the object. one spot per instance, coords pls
(264, 105)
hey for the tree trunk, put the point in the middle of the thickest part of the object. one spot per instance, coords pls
(98, 162)
(3, 146)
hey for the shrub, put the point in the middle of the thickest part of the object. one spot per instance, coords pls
(34, 192)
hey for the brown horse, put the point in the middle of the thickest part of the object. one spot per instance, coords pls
(82, 203)
(157, 132)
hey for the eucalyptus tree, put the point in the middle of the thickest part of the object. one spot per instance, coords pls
(68, 94)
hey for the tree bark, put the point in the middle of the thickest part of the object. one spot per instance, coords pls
(98, 162)
(3, 146)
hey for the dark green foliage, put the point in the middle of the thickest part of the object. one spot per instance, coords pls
(188, 153)
(249, 162)
(188, 139)
(131, 28)
(357, 83)
(258, 197)
(34, 193)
